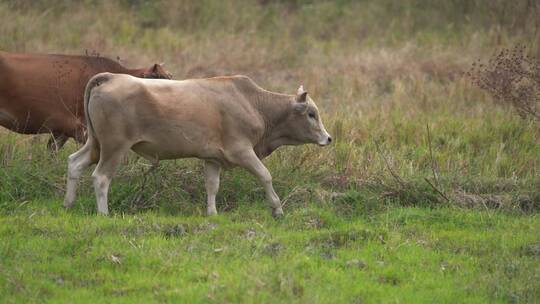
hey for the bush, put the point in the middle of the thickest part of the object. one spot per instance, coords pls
(511, 77)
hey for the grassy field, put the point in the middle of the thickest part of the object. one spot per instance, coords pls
(431, 192)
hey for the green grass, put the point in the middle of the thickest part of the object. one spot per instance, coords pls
(354, 242)
(396, 255)
(362, 224)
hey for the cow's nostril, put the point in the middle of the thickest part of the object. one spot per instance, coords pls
(329, 139)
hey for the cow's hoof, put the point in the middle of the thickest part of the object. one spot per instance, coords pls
(277, 213)
(211, 212)
(68, 205)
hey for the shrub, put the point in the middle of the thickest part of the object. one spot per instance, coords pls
(511, 77)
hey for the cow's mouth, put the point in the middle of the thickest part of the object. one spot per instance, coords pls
(325, 142)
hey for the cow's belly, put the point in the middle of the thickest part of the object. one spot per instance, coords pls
(179, 143)
(7, 120)
(23, 123)
(160, 151)
(34, 122)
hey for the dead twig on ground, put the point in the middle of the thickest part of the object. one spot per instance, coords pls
(437, 190)
(387, 163)
(434, 169)
(433, 165)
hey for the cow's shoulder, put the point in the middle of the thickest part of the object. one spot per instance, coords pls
(98, 64)
(103, 61)
(241, 81)
(90, 64)
(244, 81)
(244, 84)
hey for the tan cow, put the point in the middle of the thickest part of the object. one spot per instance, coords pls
(42, 93)
(225, 121)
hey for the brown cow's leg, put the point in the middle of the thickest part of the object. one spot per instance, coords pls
(77, 162)
(80, 136)
(249, 160)
(56, 142)
(109, 160)
(211, 171)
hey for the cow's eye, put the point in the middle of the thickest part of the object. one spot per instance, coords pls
(312, 115)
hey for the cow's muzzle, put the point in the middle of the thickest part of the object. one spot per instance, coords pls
(325, 141)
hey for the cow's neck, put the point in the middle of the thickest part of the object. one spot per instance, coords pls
(136, 72)
(274, 109)
(105, 64)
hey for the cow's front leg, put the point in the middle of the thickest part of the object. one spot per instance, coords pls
(253, 164)
(211, 172)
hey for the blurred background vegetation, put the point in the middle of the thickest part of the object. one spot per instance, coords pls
(345, 23)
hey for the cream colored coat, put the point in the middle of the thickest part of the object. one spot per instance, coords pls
(225, 121)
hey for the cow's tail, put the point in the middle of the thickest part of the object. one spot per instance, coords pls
(95, 81)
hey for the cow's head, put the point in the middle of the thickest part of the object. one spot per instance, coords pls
(157, 71)
(305, 123)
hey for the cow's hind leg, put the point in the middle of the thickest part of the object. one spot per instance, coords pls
(211, 172)
(56, 142)
(77, 162)
(109, 160)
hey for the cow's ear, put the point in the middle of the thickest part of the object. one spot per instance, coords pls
(155, 68)
(300, 90)
(302, 97)
(300, 107)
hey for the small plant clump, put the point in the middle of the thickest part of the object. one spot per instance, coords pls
(511, 77)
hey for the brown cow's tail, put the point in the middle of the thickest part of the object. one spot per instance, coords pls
(95, 81)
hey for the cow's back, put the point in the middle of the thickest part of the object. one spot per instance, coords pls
(44, 92)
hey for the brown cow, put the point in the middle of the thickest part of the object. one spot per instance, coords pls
(44, 93)
(226, 121)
